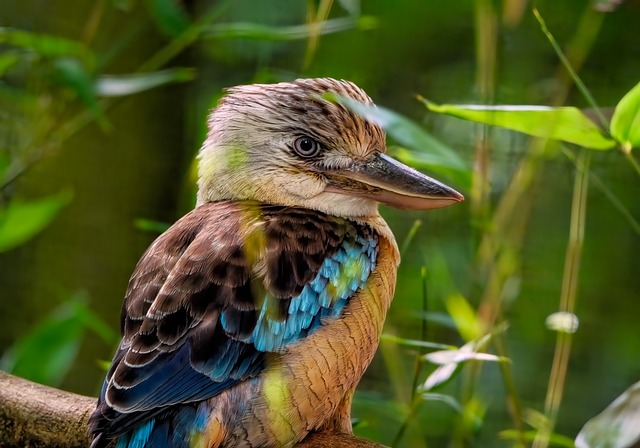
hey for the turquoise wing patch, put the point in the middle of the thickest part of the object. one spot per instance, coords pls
(324, 298)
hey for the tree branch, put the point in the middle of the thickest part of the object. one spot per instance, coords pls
(37, 416)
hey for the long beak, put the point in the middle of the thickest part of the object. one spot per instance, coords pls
(390, 182)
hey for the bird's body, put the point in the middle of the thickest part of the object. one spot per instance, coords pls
(251, 320)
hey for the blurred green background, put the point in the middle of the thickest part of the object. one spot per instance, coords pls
(103, 107)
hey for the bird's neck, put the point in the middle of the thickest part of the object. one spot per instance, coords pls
(333, 204)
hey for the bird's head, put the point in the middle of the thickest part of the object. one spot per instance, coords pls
(285, 144)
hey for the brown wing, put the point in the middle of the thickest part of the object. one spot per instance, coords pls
(194, 300)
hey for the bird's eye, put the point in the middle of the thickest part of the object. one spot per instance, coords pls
(306, 147)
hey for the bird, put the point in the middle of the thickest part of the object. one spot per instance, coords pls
(251, 320)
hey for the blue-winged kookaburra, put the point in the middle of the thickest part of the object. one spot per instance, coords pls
(251, 320)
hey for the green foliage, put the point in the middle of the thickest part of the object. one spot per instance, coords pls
(464, 317)
(47, 46)
(625, 123)
(150, 225)
(170, 18)
(415, 343)
(498, 261)
(554, 440)
(259, 32)
(447, 399)
(46, 353)
(20, 221)
(72, 74)
(568, 124)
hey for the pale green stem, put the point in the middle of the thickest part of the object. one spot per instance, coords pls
(412, 233)
(568, 296)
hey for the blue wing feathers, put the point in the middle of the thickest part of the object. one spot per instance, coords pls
(160, 438)
(169, 431)
(347, 270)
(174, 382)
(219, 368)
(139, 437)
(188, 420)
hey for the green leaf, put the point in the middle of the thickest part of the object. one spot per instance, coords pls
(104, 365)
(20, 221)
(438, 318)
(95, 323)
(70, 73)
(431, 154)
(409, 238)
(390, 410)
(452, 402)
(255, 31)
(46, 45)
(386, 337)
(121, 85)
(46, 353)
(463, 314)
(150, 225)
(530, 436)
(170, 18)
(625, 123)
(568, 124)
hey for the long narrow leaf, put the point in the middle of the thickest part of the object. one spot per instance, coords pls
(415, 343)
(46, 45)
(121, 85)
(256, 31)
(567, 124)
(554, 439)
